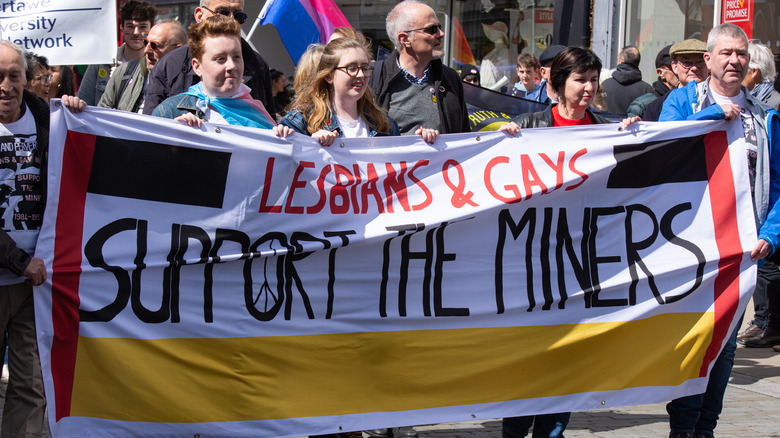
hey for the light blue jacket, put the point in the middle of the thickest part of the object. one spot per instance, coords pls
(691, 103)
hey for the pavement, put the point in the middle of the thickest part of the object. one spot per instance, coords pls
(751, 408)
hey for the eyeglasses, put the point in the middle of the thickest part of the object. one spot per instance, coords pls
(237, 15)
(433, 29)
(688, 64)
(353, 69)
(154, 45)
(43, 78)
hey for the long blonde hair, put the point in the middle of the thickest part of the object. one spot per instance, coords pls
(313, 100)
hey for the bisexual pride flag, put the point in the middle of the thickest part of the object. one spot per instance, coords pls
(302, 22)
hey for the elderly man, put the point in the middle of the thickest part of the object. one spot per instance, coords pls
(24, 125)
(757, 127)
(688, 65)
(125, 89)
(174, 75)
(413, 84)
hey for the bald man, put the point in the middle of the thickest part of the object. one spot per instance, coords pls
(125, 89)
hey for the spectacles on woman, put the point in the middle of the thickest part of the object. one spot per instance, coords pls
(352, 69)
(43, 78)
(239, 16)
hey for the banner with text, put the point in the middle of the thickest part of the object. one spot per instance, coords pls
(226, 282)
(56, 29)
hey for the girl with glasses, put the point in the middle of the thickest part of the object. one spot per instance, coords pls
(336, 100)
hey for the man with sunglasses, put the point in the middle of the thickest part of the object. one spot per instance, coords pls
(413, 84)
(688, 65)
(173, 74)
(125, 89)
(137, 18)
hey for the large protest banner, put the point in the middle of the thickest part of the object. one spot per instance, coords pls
(226, 282)
(64, 31)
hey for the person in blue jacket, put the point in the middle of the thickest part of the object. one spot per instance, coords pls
(722, 97)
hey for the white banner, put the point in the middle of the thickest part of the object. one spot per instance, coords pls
(64, 31)
(225, 282)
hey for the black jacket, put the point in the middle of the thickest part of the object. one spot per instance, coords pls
(451, 103)
(544, 119)
(623, 87)
(12, 257)
(173, 75)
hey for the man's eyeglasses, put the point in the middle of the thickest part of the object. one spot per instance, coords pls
(237, 15)
(353, 69)
(154, 45)
(689, 64)
(433, 29)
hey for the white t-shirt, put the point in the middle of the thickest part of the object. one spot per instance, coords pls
(741, 130)
(353, 128)
(21, 205)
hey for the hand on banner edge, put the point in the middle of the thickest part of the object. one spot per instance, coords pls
(325, 137)
(628, 121)
(35, 271)
(73, 103)
(282, 130)
(510, 128)
(760, 251)
(190, 119)
(428, 135)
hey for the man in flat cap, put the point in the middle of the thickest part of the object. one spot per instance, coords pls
(688, 65)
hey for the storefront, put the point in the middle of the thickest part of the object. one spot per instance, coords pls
(491, 33)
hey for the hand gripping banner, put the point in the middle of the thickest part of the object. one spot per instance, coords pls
(226, 282)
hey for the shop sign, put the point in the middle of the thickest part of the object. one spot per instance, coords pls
(740, 13)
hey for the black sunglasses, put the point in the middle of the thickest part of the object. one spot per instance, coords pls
(154, 45)
(430, 30)
(238, 15)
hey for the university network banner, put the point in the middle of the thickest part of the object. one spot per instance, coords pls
(226, 282)
(56, 29)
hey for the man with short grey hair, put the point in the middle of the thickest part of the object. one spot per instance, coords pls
(757, 128)
(413, 84)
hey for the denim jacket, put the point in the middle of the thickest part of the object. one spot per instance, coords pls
(294, 119)
(175, 106)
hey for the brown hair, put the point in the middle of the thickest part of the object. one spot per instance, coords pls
(313, 100)
(138, 11)
(527, 60)
(214, 26)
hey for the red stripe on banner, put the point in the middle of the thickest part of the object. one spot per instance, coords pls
(66, 268)
(723, 201)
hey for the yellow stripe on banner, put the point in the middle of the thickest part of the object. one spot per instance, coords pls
(262, 378)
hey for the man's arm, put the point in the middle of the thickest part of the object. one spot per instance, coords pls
(158, 87)
(19, 262)
(88, 84)
(770, 229)
(110, 97)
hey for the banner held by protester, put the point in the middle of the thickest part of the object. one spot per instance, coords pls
(226, 282)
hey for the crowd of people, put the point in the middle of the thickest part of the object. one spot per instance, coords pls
(209, 73)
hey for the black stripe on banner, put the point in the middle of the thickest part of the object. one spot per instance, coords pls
(658, 162)
(158, 172)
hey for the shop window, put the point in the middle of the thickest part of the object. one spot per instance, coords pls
(650, 25)
(491, 33)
